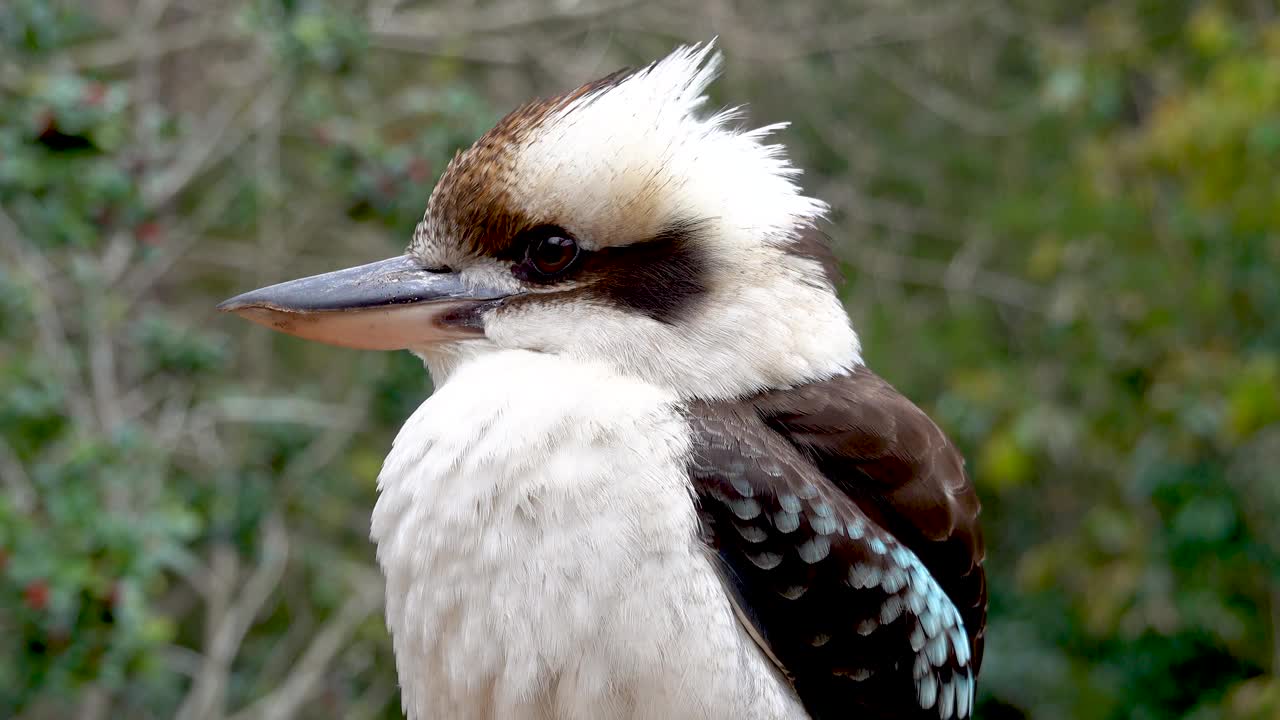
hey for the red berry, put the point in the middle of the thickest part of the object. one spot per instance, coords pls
(46, 122)
(94, 93)
(36, 594)
(419, 170)
(386, 185)
(149, 233)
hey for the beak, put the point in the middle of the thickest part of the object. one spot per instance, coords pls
(388, 305)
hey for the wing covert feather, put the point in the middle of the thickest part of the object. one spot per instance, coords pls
(828, 542)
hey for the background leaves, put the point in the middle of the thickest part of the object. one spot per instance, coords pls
(1059, 220)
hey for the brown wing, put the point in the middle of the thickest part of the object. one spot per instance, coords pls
(809, 500)
(900, 469)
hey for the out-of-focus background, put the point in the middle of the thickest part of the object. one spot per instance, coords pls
(1060, 222)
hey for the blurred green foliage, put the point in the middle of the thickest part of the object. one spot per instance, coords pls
(1084, 291)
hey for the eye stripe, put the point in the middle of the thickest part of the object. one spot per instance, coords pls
(659, 277)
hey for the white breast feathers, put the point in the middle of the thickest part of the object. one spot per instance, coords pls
(542, 556)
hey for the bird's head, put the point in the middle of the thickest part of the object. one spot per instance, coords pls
(614, 224)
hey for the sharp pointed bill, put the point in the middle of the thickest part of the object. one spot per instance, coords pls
(392, 304)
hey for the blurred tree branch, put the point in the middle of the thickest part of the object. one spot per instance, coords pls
(303, 681)
(227, 621)
(50, 329)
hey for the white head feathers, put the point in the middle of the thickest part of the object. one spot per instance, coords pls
(703, 274)
(635, 152)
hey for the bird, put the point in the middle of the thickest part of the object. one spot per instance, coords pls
(655, 477)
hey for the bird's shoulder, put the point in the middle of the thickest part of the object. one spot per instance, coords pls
(847, 531)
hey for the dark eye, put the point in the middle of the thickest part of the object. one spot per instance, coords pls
(551, 251)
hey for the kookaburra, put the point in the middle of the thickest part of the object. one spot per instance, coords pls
(655, 478)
